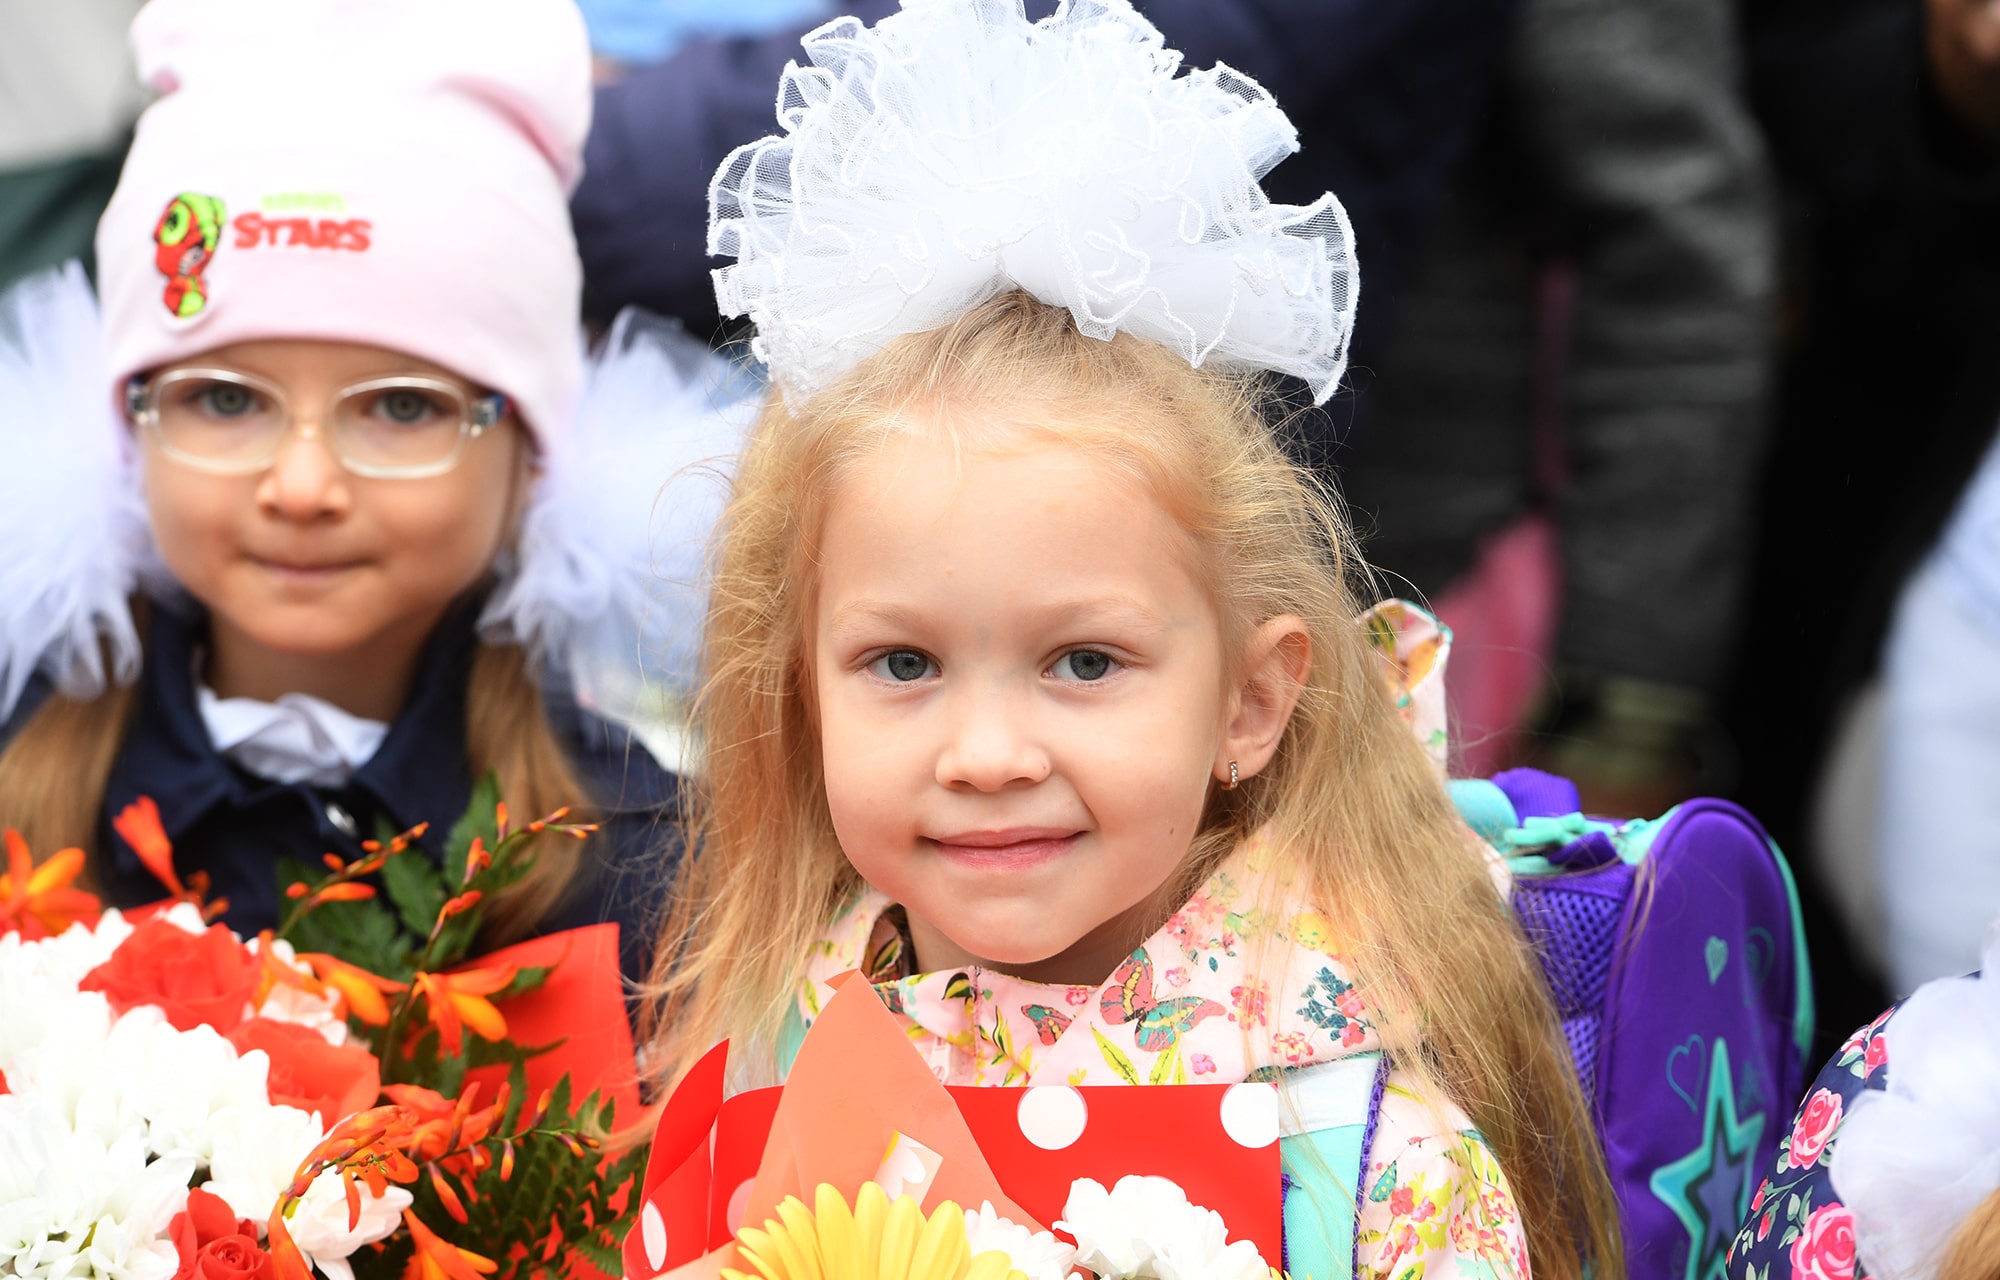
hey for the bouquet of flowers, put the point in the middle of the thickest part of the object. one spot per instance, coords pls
(863, 1167)
(341, 1094)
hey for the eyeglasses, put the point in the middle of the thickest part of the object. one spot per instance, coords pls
(229, 423)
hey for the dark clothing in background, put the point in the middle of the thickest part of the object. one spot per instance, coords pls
(1619, 146)
(1892, 378)
(1384, 97)
(236, 826)
(1887, 397)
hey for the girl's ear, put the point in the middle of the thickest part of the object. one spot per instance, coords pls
(1279, 663)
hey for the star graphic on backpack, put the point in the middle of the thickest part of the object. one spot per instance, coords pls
(1708, 1189)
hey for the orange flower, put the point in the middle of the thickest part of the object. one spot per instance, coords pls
(290, 1262)
(276, 973)
(362, 990)
(42, 895)
(458, 1000)
(139, 823)
(437, 1260)
(435, 1127)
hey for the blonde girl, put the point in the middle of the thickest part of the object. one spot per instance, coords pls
(1035, 688)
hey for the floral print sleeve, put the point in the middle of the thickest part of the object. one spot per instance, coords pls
(1797, 1228)
(1436, 1204)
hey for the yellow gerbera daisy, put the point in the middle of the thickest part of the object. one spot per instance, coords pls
(875, 1240)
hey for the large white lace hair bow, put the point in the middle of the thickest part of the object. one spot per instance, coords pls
(1912, 1160)
(606, 588)
(957, 150)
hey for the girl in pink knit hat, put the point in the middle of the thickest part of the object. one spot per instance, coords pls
(317, 510)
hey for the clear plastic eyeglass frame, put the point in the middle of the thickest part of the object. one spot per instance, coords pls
(476, 415)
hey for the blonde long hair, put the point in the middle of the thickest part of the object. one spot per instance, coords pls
(1350, 794)
(54, 773)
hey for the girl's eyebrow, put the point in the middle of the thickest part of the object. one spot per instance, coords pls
(1109, 611)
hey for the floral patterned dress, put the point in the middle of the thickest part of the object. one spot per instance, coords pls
(1798, 1229)
(1188, 1007)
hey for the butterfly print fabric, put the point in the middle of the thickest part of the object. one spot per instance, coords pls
(1243, 982)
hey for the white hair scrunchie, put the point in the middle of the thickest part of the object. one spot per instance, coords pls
(957, 150)
(1914, 1159)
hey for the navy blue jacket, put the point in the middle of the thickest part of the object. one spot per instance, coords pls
(236, 826)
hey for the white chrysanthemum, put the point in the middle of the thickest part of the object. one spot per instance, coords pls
(145, 1074)
(1036, 1254)
(72, 1204)
(956, 150)
(319, 1226)
(1145, 1227)
(254, 1151)
(38, 983)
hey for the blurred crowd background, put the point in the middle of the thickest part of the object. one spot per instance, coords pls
(1675, 367)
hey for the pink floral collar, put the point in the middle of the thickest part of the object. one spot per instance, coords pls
(1185, 1007)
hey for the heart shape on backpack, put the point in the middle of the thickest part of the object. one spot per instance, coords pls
(1694, 1048)
(1760, 954)
(1717, 955)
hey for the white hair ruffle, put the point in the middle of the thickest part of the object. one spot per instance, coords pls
(957, 150)
(1914, 1159)
(609, 582)
(608, 571)
(72, 521)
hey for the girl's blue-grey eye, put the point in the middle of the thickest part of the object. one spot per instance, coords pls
(903, 665)
(407, 408)
(227, 400)
(1085, 665)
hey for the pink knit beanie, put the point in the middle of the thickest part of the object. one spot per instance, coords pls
(386, 172)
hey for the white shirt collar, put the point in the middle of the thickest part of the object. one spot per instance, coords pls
(298, 738)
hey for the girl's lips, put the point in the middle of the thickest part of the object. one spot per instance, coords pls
(1015, 850)
(302, 572)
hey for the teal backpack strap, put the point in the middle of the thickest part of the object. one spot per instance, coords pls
(1327, 1123)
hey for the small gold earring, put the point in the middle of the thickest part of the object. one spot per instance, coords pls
(1231, 784)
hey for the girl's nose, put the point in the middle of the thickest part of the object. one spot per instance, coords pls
(992, 747)
(305, 480)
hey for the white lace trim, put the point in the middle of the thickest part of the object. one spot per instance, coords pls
(957, 150)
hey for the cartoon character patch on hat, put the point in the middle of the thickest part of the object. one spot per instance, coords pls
(187, 234)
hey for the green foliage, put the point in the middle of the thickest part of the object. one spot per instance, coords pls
(423, 916)
(554, 1192)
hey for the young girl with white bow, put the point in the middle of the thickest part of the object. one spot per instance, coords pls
(1035, 688)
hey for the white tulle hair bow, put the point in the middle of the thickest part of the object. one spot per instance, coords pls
(72, 520)
(957, 150)
(606, 588)
(1912, 1160)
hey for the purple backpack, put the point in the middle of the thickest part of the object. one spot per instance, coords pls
(1675, 954)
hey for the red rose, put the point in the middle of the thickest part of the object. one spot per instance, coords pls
(195, 978)
(1758, 1202)
(1878, 1053)
(214, 1244)
(1825, 1249)
(310, 1074)
(1814, 1129)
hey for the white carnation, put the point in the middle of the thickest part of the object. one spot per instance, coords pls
(1145, 1227)
(1036, 1254)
